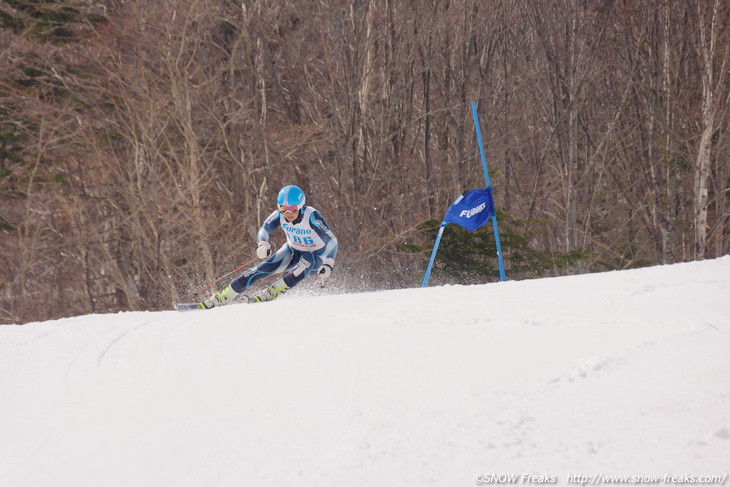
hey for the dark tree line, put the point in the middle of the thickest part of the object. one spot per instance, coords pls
(143, 143)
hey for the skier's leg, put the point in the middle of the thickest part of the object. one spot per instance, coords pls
(273, 265)
(302, 264)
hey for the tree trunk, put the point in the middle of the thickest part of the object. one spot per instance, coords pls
(707, 51)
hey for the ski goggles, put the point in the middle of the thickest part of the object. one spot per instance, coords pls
(288, 208)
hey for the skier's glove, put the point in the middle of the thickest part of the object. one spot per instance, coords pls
(263, 250)
(326, 269)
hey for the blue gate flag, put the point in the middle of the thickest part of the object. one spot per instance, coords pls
(471, 210)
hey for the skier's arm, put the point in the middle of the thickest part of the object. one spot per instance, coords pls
(272, 223)
(262, 238)
(329, 253)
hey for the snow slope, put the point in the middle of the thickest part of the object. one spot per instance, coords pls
(621, 373)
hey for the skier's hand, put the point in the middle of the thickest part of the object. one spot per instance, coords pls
(263, 250)
(326, 269)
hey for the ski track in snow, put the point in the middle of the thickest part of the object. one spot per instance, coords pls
(615, 373)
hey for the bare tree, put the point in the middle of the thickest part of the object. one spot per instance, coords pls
(712, 23)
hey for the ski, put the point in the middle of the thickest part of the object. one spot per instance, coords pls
(240, 299)
(187, 306)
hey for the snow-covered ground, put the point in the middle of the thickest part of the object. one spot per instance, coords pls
(622, 373)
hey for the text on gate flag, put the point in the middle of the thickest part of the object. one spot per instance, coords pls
(472, 209)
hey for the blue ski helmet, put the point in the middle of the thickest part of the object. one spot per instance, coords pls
(290, 196)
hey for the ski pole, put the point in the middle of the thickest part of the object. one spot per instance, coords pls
(226, 275)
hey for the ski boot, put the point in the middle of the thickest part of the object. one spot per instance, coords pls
(272, 292)
(219, 299)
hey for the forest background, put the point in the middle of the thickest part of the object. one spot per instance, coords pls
(142, 143)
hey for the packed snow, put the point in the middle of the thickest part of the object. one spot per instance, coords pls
(561, 381)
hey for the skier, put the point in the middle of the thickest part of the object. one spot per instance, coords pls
(310, 249)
